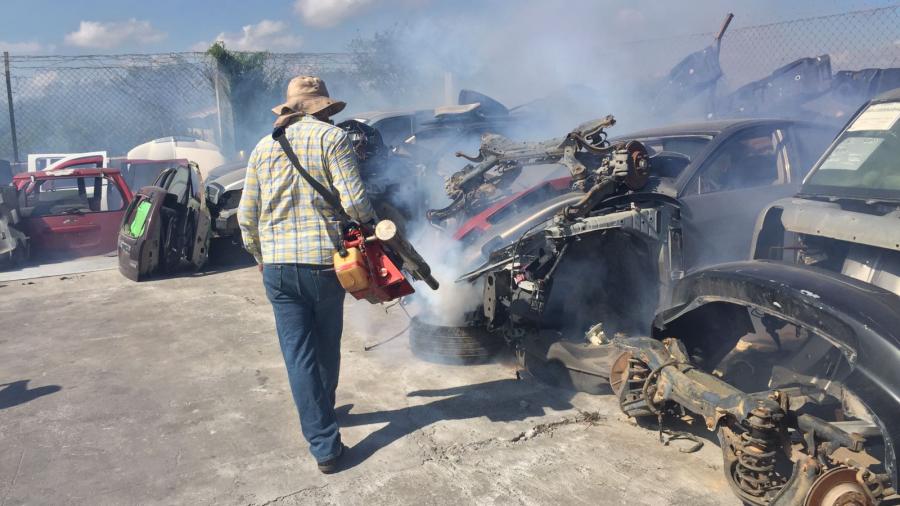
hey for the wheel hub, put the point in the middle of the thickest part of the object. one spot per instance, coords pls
(838, 487)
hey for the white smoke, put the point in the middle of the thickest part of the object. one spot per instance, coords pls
(449, 304)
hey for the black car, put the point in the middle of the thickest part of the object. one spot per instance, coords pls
(815, 317)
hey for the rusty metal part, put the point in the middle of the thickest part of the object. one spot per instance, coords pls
(596, 194)
(755, 470)
(839, 487)
(639, 167)
(628, 377)
(627, 165)
(759, 464)
(500, 160)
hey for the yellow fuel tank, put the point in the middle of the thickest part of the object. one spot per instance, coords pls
(351, 270)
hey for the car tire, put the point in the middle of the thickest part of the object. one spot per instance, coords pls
(445, 344)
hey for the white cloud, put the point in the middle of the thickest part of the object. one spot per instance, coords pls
(267, 35)
(108, 35)
(325, 13)
(29, 47)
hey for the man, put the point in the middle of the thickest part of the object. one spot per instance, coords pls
(292, 232)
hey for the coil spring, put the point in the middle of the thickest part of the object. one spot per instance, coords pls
(631, 399)
(755, 470)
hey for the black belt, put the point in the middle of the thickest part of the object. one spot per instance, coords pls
(315, 267)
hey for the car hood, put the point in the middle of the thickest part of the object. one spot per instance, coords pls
(233, 180)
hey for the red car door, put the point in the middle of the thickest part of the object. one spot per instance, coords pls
(74, 215)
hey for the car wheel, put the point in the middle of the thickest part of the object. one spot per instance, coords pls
(446, 344)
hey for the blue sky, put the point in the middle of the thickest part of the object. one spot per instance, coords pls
(110, 26)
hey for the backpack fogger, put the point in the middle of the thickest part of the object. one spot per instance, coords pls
(369, 263)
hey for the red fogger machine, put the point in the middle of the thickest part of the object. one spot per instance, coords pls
(371, 266)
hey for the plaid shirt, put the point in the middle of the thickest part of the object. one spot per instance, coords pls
(283, 219)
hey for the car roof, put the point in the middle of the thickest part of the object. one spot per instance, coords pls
(86, 172)
(712, 127)
(888, 96)
(373, 116)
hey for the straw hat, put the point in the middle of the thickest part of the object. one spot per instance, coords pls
(306, 95)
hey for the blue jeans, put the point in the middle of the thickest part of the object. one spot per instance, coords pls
(308, 302)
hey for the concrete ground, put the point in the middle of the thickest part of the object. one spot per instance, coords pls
(37, 269)
(174, 392)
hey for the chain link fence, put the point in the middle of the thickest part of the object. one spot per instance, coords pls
(854, 40)
(115, 102)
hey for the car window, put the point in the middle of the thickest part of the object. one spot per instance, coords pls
(687, 146)
(178, 185)
(139, 175)
(865, 155)
(753, 158)
(394, 130)
(72, 195)
(113, 200)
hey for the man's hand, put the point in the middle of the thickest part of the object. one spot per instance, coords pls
(260, 267)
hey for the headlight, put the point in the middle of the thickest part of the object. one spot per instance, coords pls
(213, 192)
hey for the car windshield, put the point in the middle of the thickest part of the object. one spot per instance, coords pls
(865, 156)
(687, 145)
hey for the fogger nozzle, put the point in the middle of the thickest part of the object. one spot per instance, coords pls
(386, 231)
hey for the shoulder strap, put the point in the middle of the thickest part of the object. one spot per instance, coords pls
(331, 198)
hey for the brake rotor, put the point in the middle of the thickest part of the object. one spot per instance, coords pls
(838, 487)
(620, 372)
(627, 377)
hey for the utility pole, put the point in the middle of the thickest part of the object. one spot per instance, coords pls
(218, 106)
(12, 114)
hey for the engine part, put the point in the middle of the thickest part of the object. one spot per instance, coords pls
(500, 160)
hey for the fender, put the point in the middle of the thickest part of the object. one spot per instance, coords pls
(860, 319)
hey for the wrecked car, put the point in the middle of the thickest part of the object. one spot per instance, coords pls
(166, 227)
(790, 358)
(473, 114)
(13, 243)
(141, 173)
(68, 212)
(616, 248)
(722, 172)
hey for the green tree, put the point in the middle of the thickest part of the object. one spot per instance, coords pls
(252, 86)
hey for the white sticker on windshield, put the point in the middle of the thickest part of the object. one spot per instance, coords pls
(877, 117)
